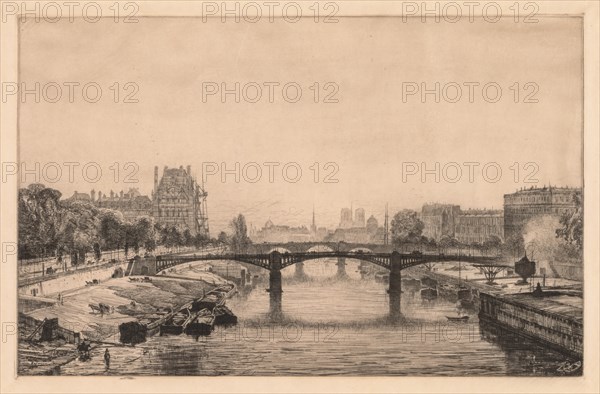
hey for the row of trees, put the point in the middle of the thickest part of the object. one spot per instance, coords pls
(49, 226)
(407, 228)
(238, 240)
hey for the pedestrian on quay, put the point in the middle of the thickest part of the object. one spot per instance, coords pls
(107, 359)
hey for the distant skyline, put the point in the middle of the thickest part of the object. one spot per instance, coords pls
(372, 134)
(280, 213)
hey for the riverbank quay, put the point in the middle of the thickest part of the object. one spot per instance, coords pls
(552, 317)
(448, 279)
(50, 285)
(39, 267)
(50, 275)
(126, 301)
(454, 282)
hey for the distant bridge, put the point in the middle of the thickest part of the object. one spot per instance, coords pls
(269, 257)
(297, 247)
(269, 261)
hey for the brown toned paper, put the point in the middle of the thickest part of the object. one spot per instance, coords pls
(329, 196)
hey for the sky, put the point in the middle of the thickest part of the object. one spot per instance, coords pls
(372, 137)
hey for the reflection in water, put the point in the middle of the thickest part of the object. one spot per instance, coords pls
(332, 328)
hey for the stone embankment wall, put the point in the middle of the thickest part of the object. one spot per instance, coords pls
(554, 330)
(70, 281)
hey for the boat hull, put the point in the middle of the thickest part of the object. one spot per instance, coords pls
(199, 328)
(168, 329)
(458, 319)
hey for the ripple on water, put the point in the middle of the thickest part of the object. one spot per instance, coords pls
(329, 328)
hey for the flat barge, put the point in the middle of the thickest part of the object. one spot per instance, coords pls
(197, 317)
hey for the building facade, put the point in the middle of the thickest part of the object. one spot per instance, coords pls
(467, 226)
(178, 200)
(525, 204)
(281, 234)
(479, 225)
(439, 220)
(131, 204)
(346, 218)
(355, 229)
(359, 218)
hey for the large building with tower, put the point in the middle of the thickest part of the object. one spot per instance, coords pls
(176, 200)
(354, 228)
(525, 204)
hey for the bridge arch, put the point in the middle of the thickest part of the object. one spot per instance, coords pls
(279, 249)
(320, 248)
(361, 249)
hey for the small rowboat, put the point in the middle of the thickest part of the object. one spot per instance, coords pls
(458, 318)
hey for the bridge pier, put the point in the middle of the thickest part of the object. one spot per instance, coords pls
(395, 289)
(299, 273)
(275, 288)
(341, 267)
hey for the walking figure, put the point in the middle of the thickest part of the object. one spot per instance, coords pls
(107, 359)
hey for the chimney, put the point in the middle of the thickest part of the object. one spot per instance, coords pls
(121, 194)
(112, 194)
(155, 178)
(99, 196)
(189, 170)
(93, 195)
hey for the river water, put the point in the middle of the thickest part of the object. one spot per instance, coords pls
(331, 327)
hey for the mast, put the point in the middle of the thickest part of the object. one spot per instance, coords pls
(203, 216)
(386, 226)
(313, 227)
(205, 209)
